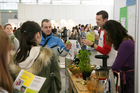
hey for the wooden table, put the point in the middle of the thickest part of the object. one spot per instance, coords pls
(75, 85)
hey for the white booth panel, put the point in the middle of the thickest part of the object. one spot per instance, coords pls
(21, 11)
(55, 12)
(62, 13)
(49, 11)
(35, 14)
(28, 12)
(42, 11)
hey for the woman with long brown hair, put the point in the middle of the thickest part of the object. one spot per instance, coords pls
(1, 28)
(6, 83)
(117, 35)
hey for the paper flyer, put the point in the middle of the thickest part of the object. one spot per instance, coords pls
(74, 50)
(123, 21)
(28, 83)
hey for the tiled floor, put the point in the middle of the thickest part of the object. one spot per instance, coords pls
(62, 71)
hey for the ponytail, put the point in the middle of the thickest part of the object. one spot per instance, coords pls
(27, 40)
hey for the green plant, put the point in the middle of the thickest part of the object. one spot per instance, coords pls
(84, 64)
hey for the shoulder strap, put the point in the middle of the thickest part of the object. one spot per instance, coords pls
(12, 39)
(46, 42)
(52, 70)
(52, 76)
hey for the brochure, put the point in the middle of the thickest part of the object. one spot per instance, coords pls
(74, 50)
(28, 83)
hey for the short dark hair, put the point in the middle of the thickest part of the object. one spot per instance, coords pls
(45, 20)
(103, 13)
(82, 25)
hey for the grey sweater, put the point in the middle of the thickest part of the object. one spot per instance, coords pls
(16, 42)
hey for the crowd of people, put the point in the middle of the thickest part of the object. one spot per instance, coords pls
(33, 48)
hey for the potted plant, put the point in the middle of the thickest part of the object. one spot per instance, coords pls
(84, 63)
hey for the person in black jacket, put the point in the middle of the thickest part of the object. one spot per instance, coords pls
(64, 34)
(54, 30)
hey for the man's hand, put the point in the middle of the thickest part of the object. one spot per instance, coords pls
(68, 46)
(86, 42)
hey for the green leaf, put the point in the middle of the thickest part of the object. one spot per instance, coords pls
(84, 64)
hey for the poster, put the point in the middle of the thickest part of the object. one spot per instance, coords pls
(123, 17)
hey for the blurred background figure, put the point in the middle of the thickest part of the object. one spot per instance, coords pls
(74, 35)
(8, 29)
(14, 29)
(54, 30)
(58, 32)
(64, 34)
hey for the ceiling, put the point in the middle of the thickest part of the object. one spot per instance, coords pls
(13, 4)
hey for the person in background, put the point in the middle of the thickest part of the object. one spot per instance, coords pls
(50, 41)
(95, 29)
(79, 26)
(1, 28)
(54, 30)
(17, 32)
(102, 48)
(64, 34)
(14, 29)
(9, 31)
(74, 35)
(82, 28)
(124, 62)
(72, 29)
(88, 28)
(58, 32)
(35, 59)
(83, 35)
(6, 82)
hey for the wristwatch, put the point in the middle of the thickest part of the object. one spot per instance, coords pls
(92, 45)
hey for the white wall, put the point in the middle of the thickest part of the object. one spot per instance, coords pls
(117, 5)
(79, 14)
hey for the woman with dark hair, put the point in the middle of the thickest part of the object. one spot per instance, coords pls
(74, 35)
(124, 62)
(34, 59)
(9, 30)
(6, 83)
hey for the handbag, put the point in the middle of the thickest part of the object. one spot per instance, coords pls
(52, 77)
